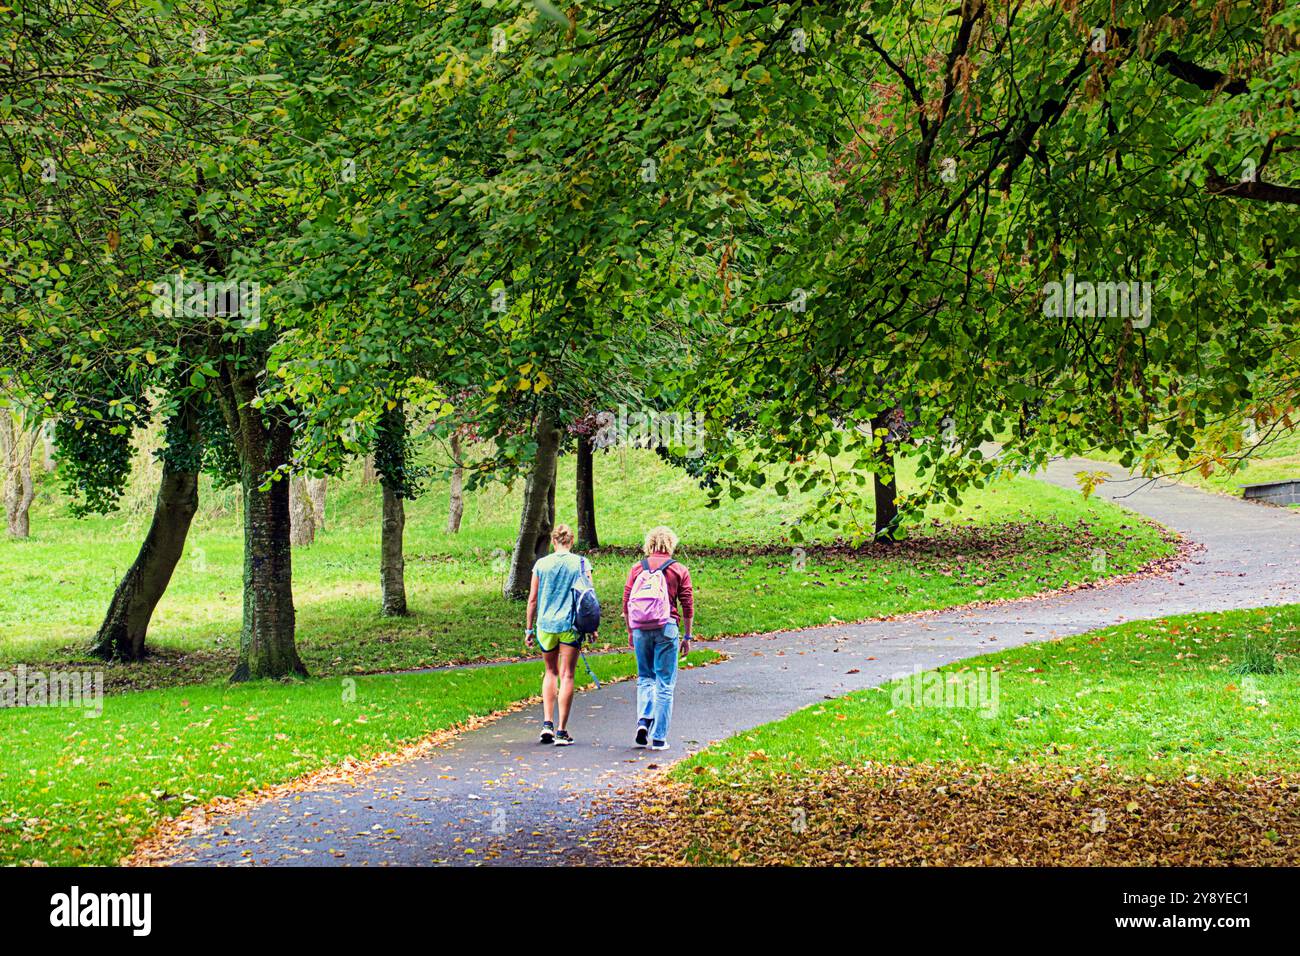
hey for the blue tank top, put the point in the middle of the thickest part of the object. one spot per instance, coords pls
(556, 574)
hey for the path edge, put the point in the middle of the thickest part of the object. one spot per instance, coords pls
(162, 844)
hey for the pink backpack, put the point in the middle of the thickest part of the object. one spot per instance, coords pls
(648, 607)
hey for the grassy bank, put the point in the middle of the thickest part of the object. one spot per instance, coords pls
(1168, 697)
(1175, 741)
(1017, 537)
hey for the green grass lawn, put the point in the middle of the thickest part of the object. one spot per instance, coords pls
(1017, 537)
(82, 790)
(1205, 695)
(173, 734)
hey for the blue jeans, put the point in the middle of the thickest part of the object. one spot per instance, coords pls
(656, 676)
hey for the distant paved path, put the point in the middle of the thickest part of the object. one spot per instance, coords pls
(497, 793)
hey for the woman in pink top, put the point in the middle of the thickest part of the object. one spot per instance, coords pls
(659, 607)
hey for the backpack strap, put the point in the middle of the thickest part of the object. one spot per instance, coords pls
(664, 567)
(645, 563)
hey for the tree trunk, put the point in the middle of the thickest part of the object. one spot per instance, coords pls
(538, 512)
(316, 489)
(886, 506)
(368, 473)
(886, 490)
(122, 635)
(302, 517)
(17, 442)
(587, 537)
(264, 442)
(392, 560)
(542, 545)
(457, 504)
(18, 505)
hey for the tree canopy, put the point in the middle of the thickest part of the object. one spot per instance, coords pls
(833, 229)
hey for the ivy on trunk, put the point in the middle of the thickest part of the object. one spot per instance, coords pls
(399, 481)
(122, 635)
(263, 441)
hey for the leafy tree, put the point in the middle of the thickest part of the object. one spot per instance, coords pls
(157, 135)
(960, 180)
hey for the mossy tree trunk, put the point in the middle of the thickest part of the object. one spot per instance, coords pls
(317, 488)
(456, 504)
(392, 559)
(264, 442)
(538, 517)
(18, 438)
(122, 635)
(392, 467)
(302, 516)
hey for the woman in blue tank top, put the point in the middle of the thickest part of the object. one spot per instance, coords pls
(550, 608)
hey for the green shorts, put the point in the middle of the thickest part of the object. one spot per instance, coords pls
(550, 640)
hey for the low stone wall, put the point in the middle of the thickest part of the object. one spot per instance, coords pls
(1273, 492)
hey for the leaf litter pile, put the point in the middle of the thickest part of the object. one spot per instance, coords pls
(943, 815)
(938, 541)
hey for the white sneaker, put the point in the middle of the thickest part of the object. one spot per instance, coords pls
(659, 745)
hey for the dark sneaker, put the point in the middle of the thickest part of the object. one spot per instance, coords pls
(659, 745)
(548, 733)
(562, 738)
(642, 734)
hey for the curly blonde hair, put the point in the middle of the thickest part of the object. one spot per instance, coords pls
(660, 540)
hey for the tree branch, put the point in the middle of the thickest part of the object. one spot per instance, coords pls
(1217, 185)
(1199, 76)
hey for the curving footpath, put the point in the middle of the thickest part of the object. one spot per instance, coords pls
(494, 796)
